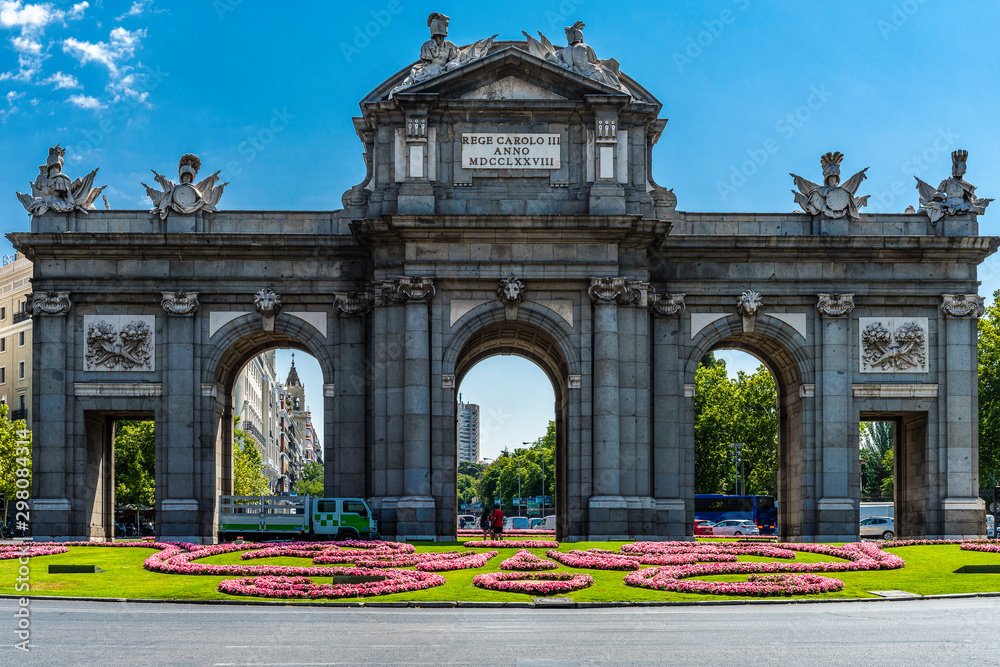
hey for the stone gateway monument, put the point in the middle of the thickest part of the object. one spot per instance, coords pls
(508, 207)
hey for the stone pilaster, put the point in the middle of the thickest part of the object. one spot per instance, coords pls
(671, 482)
(836, 512)
(56, 511)
(176, 471)
(962, 511)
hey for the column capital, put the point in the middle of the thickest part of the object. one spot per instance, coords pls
(617, 290)
(405, 289)
(352, 304)
(834, 305)
(666, 305)
(50, 303)
(962, 305)
(180, 303)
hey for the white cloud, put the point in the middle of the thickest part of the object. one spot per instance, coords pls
(85, 102)
(26, 45)
(28, 17)
(11, 97)
(62, 81)
(77, 10)
(122, 46)
(137, 8)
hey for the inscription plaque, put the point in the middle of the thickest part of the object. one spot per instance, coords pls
(510, 150)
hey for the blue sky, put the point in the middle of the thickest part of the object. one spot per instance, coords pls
(265, 92)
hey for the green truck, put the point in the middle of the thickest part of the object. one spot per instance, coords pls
(295, 517)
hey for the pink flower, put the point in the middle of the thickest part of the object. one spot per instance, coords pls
(525, 560)
(533, 583)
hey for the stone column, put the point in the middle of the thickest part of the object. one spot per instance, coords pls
(349, 468)
(608, 514)
(668, 408)
(962, 511)
(56, 512)
(837, 495)
(176, 493)
(415, 509)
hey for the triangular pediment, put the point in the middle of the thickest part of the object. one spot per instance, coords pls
(510, 73)
(511, 88)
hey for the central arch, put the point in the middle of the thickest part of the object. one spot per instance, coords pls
(780, 348)
(536, 335)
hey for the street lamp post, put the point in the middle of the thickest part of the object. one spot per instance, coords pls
(736, 447)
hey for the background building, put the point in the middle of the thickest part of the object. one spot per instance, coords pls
(468, 431)
(15, 336)
(255, 397)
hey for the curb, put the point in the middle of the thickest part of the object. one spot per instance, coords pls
(469, 604)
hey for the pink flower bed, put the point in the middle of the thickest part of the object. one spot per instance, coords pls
(512, 544)
(533, 583)
(525, 560)
(455, 560)
(30, 550)
(858, 557)
(522, 532)
(593, 561)
(396, 581)
(980, 546)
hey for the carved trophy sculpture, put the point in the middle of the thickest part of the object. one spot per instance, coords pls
(577, 57)
(831, 199)
(438, 55)
(955, 195)
(52, 189)
(185, 197)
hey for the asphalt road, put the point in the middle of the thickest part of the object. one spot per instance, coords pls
(914, 632)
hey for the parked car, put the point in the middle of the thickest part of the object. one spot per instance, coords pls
(735, 527)
(878, 526)
(549, 523)
(703, 527)
(537, 522)
(467, 521)
(516, 523)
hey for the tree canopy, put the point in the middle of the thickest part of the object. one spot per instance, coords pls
(310, 482)
(248, 467)
(15, 458)
(741, 410)
(135, 459)
(989, 394)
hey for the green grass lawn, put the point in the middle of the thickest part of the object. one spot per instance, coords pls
(929, 570)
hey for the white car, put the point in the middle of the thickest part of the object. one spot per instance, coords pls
(878, 526)
(735, 527)
(516, 523)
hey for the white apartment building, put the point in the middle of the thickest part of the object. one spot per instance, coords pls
(468, 431)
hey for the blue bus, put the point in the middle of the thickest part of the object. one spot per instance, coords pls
(716, 507)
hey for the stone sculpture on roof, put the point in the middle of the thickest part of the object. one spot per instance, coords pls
(955, 195)
(438, 55)
(577, 57)
(831, 199)
(185, 197)
(53, 190)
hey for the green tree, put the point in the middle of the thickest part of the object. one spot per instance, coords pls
(742, 410)
(310, 482)
(877, 440)
(135, 461)
(989, 394)
(500, 478)
(15, 458)
(248, 468)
